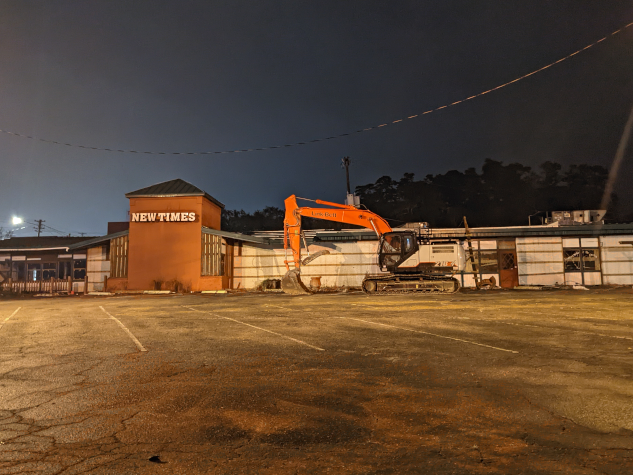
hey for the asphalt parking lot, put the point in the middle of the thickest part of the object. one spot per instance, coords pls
(490, 382)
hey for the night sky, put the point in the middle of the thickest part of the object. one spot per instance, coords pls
(192, 76)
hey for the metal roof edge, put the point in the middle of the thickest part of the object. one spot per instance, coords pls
(527, 231)
(97, 240)
(30, 249)
(173, 195)
(236, 236)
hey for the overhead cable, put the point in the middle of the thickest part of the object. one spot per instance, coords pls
(323, 139)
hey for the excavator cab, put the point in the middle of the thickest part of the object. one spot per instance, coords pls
(395, 248)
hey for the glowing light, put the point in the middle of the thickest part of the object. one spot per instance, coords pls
(17, 220)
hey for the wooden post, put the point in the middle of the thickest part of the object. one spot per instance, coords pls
(86, 284)
(70, 284)
(105, 283)
(470, 252)
(11, 284)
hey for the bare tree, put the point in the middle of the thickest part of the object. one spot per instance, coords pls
(6, 234)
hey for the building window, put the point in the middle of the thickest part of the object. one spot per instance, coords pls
(118, 256)
(212, 255)
(49, 271)
(5, 268)
(34, 272)
(486, 261)
(64, 269)
(581, 260)
(18, 271)
(79, 269)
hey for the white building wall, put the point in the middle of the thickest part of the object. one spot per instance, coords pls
(540, 260)
(617, 260)
(346, 266)
(97, 267)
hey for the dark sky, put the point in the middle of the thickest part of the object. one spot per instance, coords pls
(199, 75)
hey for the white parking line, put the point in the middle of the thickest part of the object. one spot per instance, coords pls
(562, 329)
(278, 306)
(134, 339)
(258, 328)
(7, 319)
(432, 334)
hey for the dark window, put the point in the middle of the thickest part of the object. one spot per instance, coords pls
(64, 269)
(18, 270)
(49, 270)
(34, 271)
(79, 269)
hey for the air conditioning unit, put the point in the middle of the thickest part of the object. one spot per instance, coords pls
(574, 218)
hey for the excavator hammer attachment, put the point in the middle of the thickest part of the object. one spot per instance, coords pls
(291, 283)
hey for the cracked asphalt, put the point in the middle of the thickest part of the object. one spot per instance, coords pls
(490, 382)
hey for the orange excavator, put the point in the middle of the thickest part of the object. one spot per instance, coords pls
(406, 263)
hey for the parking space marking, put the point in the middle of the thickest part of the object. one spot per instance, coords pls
(134, 339)
(258, 328)
(7, 319)
(278, 306)
(432, 334)
(562, 329)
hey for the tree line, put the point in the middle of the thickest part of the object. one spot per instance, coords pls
(499, 195)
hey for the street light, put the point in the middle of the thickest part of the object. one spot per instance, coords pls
(17, 220)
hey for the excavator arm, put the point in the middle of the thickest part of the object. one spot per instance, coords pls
(291, 282)
(339, 213)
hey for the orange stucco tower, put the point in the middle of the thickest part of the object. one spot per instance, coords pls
(165, 236)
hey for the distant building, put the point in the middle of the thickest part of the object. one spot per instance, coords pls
(173, 241)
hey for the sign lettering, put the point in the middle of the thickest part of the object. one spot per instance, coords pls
(171, 217)
(323, 214)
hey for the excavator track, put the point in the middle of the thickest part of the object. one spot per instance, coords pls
(391, 284)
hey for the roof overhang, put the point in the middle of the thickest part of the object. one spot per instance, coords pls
(235, 236)
(98, 240)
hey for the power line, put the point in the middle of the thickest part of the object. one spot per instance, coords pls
(323, 139)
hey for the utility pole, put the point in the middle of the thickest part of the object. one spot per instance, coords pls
(346, 162)
(39, 226)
